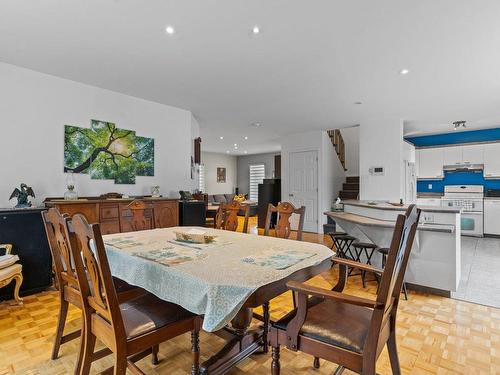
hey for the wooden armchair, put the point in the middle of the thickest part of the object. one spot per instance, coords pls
(284, 210)
(130, 329)
(61, 239)
(347, 330)
(11, 272)
(227, 216)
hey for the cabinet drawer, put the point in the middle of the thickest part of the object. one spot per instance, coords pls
(110, 227)
(109, 212)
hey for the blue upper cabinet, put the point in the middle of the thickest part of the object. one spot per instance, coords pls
(455, 138)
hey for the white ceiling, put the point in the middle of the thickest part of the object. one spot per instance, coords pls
(313, 60)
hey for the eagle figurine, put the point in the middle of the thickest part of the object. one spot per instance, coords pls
(22, 196)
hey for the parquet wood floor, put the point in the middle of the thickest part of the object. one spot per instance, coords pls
(435, 335)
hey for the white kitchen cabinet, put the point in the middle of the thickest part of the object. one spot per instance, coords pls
(430, 163)
(492, 216)
(492, 160)
(452, 155)
(473, 154)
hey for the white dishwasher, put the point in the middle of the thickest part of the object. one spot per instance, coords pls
(492, 216)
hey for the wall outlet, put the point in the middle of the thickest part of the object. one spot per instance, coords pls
(429, 186)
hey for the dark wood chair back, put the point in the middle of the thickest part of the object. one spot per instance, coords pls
(364, 325)
(397, 259)
(98, 291)
(284, 211)
(141, 215)
(227, 216)
(56, 227)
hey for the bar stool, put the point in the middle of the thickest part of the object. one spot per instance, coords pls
(342, 243)
(367, 248)
(334, 236)
(385, 251)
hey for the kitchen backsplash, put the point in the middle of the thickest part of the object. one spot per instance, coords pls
(456, 178)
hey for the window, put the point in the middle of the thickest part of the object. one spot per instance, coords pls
(201, 178)
(257, 174)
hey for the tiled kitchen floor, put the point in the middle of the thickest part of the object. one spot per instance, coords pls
(480, 281)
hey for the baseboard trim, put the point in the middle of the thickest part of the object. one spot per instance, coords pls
(429, 290)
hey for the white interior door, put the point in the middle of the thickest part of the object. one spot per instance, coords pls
(303, 186)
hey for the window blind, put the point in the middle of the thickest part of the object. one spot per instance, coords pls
(257, 174)
(201, 178)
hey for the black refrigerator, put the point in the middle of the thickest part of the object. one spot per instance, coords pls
(269, 192)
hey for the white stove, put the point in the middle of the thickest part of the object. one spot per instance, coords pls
(469, 198)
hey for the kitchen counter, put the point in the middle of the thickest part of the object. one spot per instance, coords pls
(388, 206)
(435, 258)
(429, 195)
(368, 221)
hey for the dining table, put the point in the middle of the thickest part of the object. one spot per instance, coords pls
(223, 280)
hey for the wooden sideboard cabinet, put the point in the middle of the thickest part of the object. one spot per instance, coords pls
(114, 216)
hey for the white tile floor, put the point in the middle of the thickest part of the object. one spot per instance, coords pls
(480, 281)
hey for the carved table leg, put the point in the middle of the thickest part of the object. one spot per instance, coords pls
(241, 344)
(265, 344)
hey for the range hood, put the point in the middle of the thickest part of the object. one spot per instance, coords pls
(466, 167)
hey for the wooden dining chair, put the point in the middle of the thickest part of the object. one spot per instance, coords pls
(348, 330)
(142, 217)
(128, 329)
(284, 211)
(227, 216)
(61, 239)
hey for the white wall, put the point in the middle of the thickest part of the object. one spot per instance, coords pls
(330, 172)
(381, 145)
(351, 141)
(244, 162)
(34, 109)
(212, 161)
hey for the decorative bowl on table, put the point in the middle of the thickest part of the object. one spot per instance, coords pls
(194, 237)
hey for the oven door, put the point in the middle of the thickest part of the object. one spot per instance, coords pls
(471, 224)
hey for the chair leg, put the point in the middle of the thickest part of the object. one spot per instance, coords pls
(19, 280)
(154, 355)
(120, 366)
(316, 363)
(339, 370)
(195, 349)
(275, 364)
(88, 351)
(265, 344)
(393, 354)
(61, 321)
(405, 291)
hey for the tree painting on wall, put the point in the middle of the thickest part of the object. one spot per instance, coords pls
(107, 152)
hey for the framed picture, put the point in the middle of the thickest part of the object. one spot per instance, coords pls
(221, 175)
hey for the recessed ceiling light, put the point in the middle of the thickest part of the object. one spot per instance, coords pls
(227, 151)
(246, 138)
(235, 147)
(256, 30)
(221, 138)
(170, 30)
(404, 71)
(245, 152)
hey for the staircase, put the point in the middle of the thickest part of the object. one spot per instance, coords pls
(350, 189)
(338, 144)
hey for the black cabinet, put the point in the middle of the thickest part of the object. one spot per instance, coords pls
(192, 213)
(269, 192)
(24, 229)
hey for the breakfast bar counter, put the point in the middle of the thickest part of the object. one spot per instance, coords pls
(435, 259)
